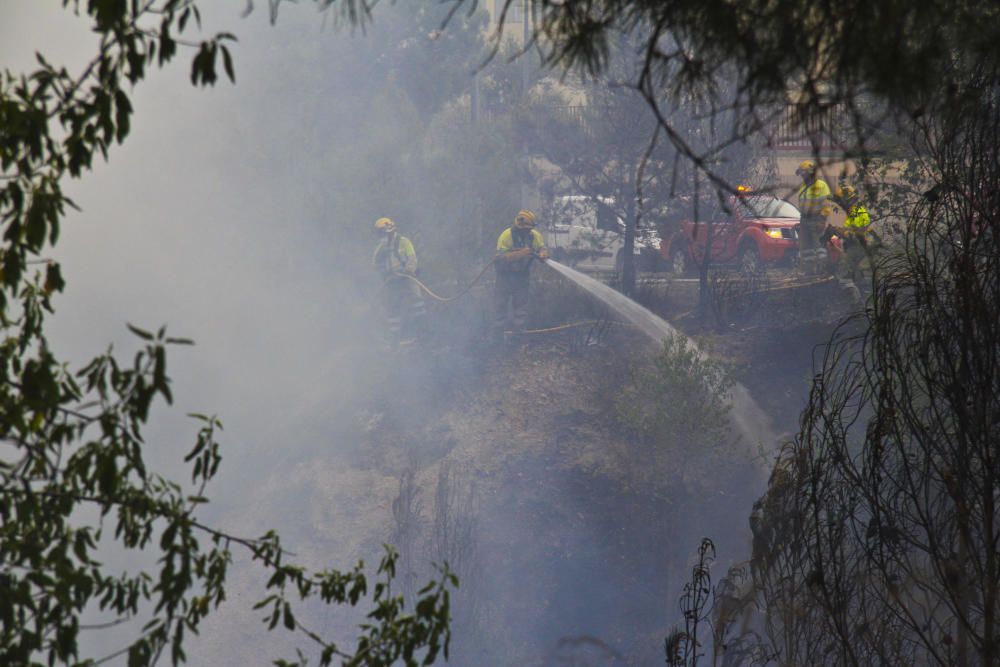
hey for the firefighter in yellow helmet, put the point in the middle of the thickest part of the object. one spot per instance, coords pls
(813, 195)
(858, 240)
(395, 259)
(517, 247)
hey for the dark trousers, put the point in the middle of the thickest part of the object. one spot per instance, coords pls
(512, 289)
(812, 250)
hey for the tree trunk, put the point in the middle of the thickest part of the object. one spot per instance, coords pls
(628, 250)
(706, 260)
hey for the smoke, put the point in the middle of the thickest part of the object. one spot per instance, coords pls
(239, 216)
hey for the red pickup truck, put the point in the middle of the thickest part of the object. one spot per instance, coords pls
(757, 229)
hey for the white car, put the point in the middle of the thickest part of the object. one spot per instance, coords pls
(585, 232)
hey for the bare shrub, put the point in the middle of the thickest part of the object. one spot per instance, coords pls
(737, 296)
(876, 542)
(722, 612)
(406, 513)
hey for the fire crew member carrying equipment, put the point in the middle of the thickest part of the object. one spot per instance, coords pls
(395, 259)
(859, 242)
(813, 196)
(517, 247)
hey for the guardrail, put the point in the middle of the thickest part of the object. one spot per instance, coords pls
(827, 130)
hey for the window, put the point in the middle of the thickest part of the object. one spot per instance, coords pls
(767, 207)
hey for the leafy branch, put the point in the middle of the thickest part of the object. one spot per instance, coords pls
(72, 442)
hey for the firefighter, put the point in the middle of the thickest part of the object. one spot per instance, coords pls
(858, 240)
(517, 246)
(813, 196)
(396, 259)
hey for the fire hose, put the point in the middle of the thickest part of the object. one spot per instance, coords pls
(430, 292)
(445, 299)
(437, 297)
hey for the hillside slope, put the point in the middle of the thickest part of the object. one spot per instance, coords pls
(514, 465)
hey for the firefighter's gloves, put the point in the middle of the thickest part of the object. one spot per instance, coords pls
(520, 253)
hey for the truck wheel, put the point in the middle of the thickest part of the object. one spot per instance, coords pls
(680, 264)
(750, 263)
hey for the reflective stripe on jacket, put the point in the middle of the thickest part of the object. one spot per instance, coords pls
(812, 197)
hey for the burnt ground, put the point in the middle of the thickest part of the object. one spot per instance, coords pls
(578, 544)
(773, 331)
(581, 535)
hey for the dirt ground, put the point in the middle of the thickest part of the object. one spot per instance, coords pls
(573, 539)
(575, 547)
(773, 330)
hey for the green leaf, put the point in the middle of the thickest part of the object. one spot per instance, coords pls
(168, 47)
(35, 221)
(123, 111)
(141, 333)
(227, 63)
(179, 341)
(53, 278)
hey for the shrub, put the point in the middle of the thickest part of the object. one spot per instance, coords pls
(677, 407)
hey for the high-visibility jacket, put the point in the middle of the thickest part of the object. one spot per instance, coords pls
(395, 255)
(515, 239)
(857, 223)
(813, 196)
(857, 218)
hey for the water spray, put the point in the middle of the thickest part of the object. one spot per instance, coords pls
(747, 415)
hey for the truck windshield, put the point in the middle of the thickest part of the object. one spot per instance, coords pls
(767, 207)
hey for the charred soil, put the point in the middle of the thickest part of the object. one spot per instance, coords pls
(569, 539)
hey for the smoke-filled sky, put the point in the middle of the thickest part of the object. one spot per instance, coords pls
(225, 217)
(219, 217)
(239, 216)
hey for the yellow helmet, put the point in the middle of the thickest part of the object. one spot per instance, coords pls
(385, 226)
(524, 219)
(846, 194)
(806, 167)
